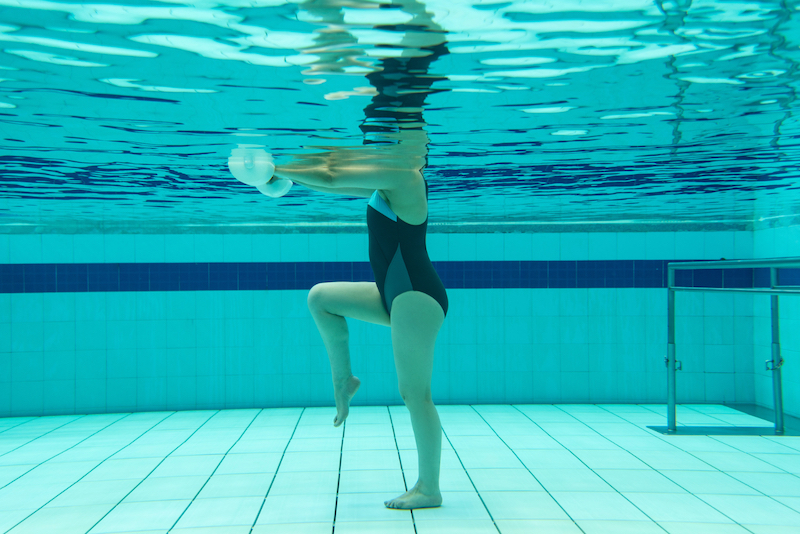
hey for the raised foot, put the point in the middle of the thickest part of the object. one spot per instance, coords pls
(343, 392)
(414, 498)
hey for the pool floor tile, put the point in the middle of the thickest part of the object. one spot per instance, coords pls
(527, 526)
(710, 482)
(452, 526)
(620, 527)
(229, 511)
(741, 461)
(675, 459)
(609, 459)
(95, 492)
(371, 481)
(638, 480)
(231, 529)
(304, 482)
(371, 527)
(770, 529)
(516, 504)
(786, 462)
(791, 502)
(66, 519)
(676, 507)
(166, 488)
(504, 480)
(772, 484)
(570, 480)
(254, 485)
(376, 459)
(756, 444)
(604, 506)
(577, 443)
(311, 527)
(308, 508)
(752, 509)
(549, 459)
(148, 515)
(9, 518)
(704, 528)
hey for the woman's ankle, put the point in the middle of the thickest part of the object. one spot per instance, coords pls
(342, 380)
(427, 488)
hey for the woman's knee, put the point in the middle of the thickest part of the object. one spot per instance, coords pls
(415, 395)
(317, 297)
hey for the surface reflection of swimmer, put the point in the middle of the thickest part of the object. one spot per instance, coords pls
(408, 295)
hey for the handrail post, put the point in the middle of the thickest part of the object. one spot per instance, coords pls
(671, 424)
(777, 362)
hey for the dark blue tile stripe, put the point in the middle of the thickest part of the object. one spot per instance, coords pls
(82, 277)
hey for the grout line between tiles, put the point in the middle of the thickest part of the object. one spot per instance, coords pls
(400, 459)
(278, 468)
(338, 478)
(478, 493)
(775, 439)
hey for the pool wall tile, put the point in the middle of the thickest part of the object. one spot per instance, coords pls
(57, 248)
(5, 255)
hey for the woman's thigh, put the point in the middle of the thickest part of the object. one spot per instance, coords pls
(416, 321)
(358, 300)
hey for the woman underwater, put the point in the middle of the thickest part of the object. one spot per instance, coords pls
(408, 295)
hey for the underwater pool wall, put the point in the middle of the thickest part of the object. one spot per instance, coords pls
(117, 323)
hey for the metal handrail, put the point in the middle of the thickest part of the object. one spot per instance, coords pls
(781, 290)
(774, 290)
(780, 263)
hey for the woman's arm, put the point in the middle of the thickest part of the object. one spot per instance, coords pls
(354, 172)
(346, 191)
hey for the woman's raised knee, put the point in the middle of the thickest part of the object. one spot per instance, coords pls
(316, 297)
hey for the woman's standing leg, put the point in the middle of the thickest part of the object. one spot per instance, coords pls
(416, 320)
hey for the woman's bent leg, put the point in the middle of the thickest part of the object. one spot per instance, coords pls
(329, 304)
(416, 320)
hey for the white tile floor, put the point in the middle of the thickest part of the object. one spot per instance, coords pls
(505, 469)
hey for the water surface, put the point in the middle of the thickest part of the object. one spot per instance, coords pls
(120, 116)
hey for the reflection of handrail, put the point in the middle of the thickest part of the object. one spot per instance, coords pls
(774, 290)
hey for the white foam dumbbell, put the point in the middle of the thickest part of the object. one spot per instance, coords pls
(254, 166)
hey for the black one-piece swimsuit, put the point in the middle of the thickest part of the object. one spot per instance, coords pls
(398, 255)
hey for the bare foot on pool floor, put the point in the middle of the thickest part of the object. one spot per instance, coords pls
(343, 392)
(415, 498)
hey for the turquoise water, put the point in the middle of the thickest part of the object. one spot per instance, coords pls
(121, 115)
(137, 395)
